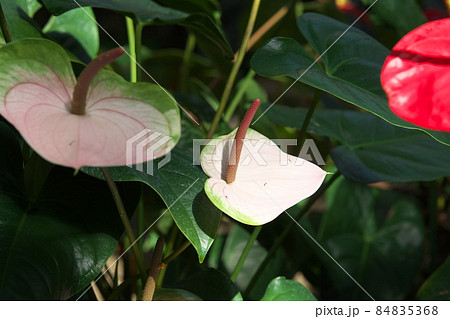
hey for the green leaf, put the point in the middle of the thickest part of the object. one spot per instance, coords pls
(210, 7)
(77, 31)
(166, 294)
(403, 15)
(352, 63)
(209, 284)
(372, 150)
(55, 245)
(370, 242)
(437, 286)
(151, 13)
(282, 289)
(20, 25)
(180, 185)
(29, 6)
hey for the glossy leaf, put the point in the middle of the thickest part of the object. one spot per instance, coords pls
(180, 185)
(416, 73)
(268, 181)
(36, 93)
(77, 31)
(29, 6)
(380, 249)
(437, 286)
(55, 245)
(150, 13)
(372, 150)
(282, 289)
(352, 65)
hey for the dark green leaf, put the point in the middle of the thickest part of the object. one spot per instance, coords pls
(394, 14)
(437, 286)
(372, 150)
(281, 289)
(55, 245)
(382, 253)
(180, 185)
(77, 31)
(353, 64)
(149, 12)
(209, 284)
(29, 6)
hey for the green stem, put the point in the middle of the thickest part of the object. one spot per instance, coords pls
(4, 26)
(126, 223)
(140, 220)
(186, 64)
(245, 253)
(312, 108)
(179, 250)
(169, 248)
(279, 240)
(234, 70)
(138, 40)
(239, 95)
(132, 48)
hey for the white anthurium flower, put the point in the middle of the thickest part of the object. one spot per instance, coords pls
(267, 181)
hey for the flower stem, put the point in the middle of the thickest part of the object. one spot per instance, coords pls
(279, 240)
(239, 142)
(86, 77)
(138, 60)
(179, 250)
(186, 64)
(4, 26)
(126, 223)
(245, 253)
(132, 48)
(234, 70)
(239, 95)
(312, 108)
(155, 267)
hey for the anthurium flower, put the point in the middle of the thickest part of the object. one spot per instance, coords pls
(251, 179)
(416, 76)
(84, 122)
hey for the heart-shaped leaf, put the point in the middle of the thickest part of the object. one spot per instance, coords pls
(371, 245)
(36, 97)
(180, 185)
(353, 62)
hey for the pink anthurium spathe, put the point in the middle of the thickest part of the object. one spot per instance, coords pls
(416, 76)
(84, 122)
(251, 179)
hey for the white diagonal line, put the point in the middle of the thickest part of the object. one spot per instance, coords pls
(140, 236)
(138, 64)
(320, 246)
(315, 61)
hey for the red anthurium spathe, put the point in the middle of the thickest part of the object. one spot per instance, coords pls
(87, 126)
(251, 179)
(416, 76)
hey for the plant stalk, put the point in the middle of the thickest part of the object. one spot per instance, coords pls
(245, 253)
(234, 70)
(178, 251)
(312, 108)
(126, 223)
(132, 47)
(239, 95)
